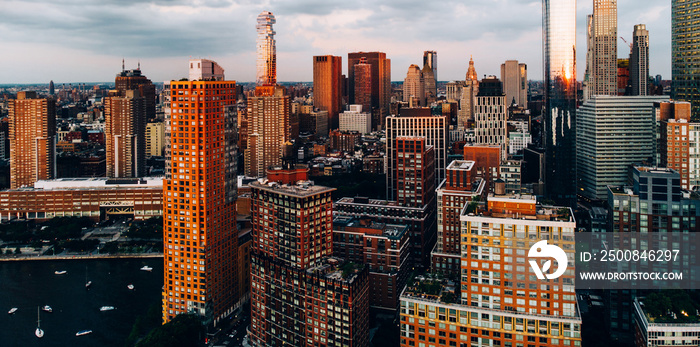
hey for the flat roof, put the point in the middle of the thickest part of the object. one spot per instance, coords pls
(301, 189)
(465, 165)
(98, 182)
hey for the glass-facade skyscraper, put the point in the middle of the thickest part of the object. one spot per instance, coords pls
(266, 64)
(685, 52)
(559, 52)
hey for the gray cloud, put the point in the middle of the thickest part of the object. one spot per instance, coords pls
(492, 30)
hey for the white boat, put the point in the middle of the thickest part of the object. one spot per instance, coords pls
(87, 282)
(12, 310)
(147, 268)
(131, 287)
(83, 332)
(61, 272)
(38, 332)
(107, 308)
(47, 308)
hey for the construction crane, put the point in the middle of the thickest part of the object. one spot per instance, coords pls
(628, 44)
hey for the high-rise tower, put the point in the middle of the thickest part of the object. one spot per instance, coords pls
(328, 81)
(266, 66)
(559, 52)
(380, 84)
(414, 86)
(514, 78)
(604, 71)
(639, 60)
(300, 296)
(430, 62)
(684, 52)
(199, 208)
(32, 139)
(362, 81)
(125, 134)
(268, 129)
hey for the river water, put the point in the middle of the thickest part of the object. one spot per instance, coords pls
(29, 284)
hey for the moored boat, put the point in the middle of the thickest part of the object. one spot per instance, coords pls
(12, 310)
(47, 308)
(107, 308)
(60, 272)
(146, 268)
(83, 332)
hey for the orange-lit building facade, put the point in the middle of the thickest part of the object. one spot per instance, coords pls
(300, 295)
(460, 188)
(675, 139)
(199, 205)
(385, 248)
(379, 80)
(268, 129)
(328, 81)
(32, 132)
(487, 160)
(499, 301)
(125, 134)
(362, 84)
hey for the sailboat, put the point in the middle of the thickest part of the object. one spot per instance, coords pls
(87, 283)
(38, 332)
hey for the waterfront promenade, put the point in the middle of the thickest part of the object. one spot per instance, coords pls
(22, 257)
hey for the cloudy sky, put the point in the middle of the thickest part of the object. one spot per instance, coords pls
(85, 40)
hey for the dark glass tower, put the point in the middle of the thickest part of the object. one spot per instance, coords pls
(685, 52)
(559, 52)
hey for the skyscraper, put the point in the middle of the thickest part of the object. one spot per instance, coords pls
(490, 115)
(199, 209)
(380, 82)
(362, 81)
(328, 80)
(51, 88)
(604, 71)
(266, 66)
(431, 78)
(559, 51)
(430, 85)
(430, 59)
(612, 134)
(300, 296)
(501, 302)
(32, 139)
(135, 80)
(125, 134)
(466, 102)
(684, 52)
(268, 129)
(433, 128)
(639, 60)
(414, 86)
(514, 78)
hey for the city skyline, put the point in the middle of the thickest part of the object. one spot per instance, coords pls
(87, 42)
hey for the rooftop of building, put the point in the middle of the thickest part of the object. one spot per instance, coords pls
(514, 208)
(670, 307)
(463, 165)
(336, 269)
(391, 231)
(433, 287)
(373, 202)
(439, 290)
(301, 189)
(654, 169)
(96, 182)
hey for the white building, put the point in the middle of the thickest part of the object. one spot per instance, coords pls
(205, 69)
(354, 120)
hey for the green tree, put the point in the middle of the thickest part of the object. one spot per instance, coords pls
(185, 330)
